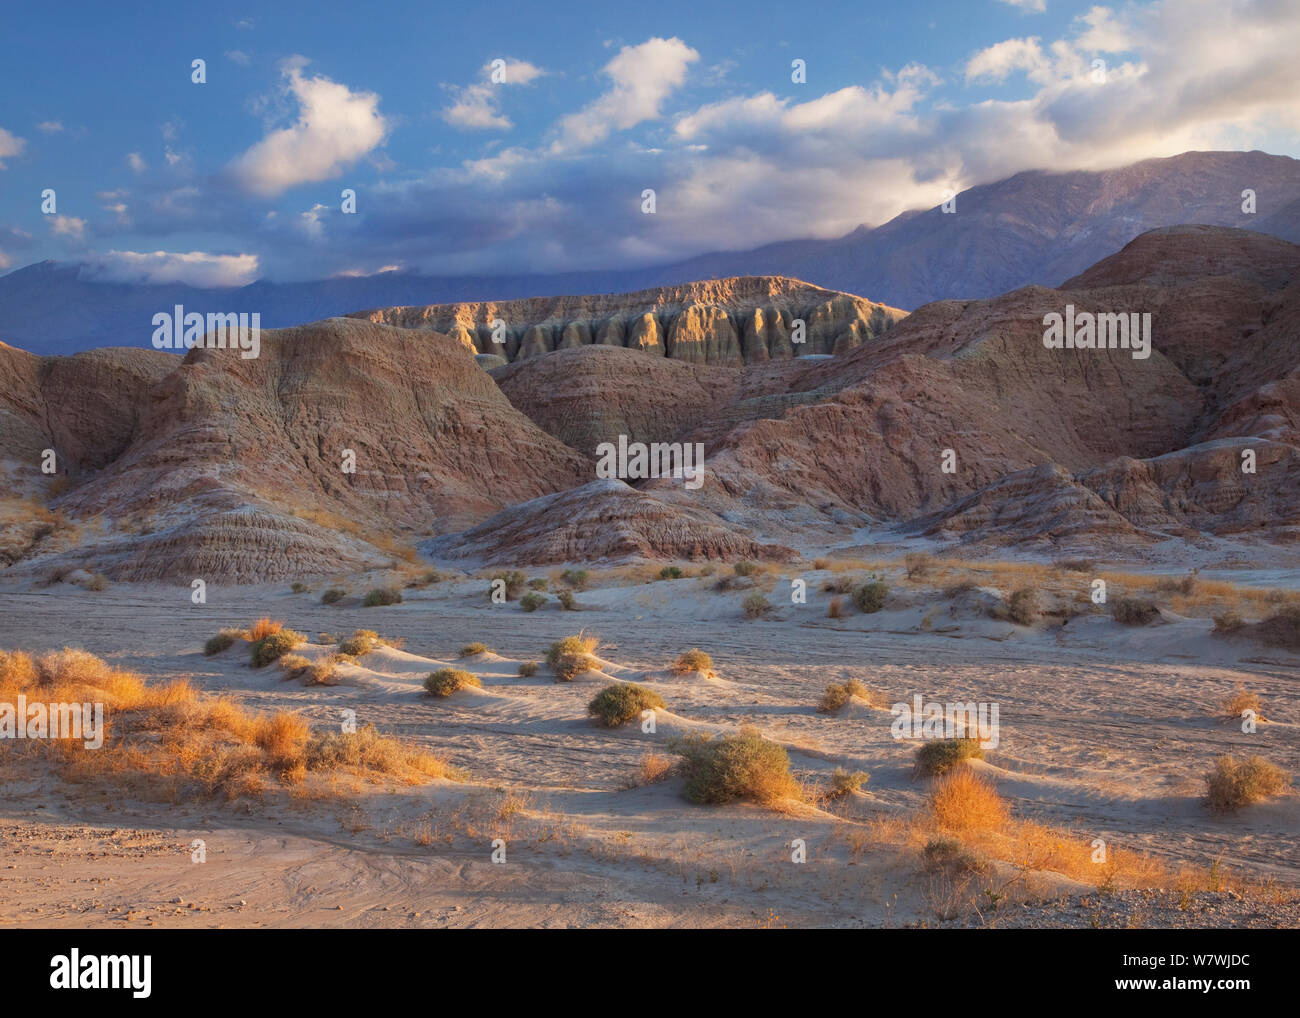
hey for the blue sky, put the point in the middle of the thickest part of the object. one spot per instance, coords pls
(240, 177)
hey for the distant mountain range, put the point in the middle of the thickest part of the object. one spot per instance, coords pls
(1036, 227)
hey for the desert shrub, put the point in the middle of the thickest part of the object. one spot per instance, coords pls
(731, 582)
(834, 609)
(470, 649)
(537, 583)
(272, 646)
(567, 601)
(425, 579)
(842, 584)
(1229, 622)
(745, 568)
(1235, 783)
(366, 749)
(575, 578)
(756, 606)
(321, 672)
(512, 583)
(918, 564)
(964, 801)
(708, 569)
(527, 668)
(224, 640)
(299, 588)
(821, 563)
(948, 855)
(1282, 629)
(264, 627)
(292, 664)
(381, 596)
(653, 767)
(446, 681)
(959, 588)
(332, 595)
(97, 583)
(362, 641)
(1241, 700)
(938, 756)
(571, 656)
(1134, 611)
(1022, 606)
(1185, 585)
(531, 602)
(837, 695)
(741, 766)
(1077, 565)
(846, 782)
(622, 702)
(694, 660)
(870, 597)
(670, 573)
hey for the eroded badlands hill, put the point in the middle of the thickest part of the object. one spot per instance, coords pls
(233, 469)
(726, 322)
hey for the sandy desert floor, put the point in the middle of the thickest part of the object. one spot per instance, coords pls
(1106, 732)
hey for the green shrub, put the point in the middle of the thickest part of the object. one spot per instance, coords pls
(670, 573)
(222, 641)
(575, 578)
(363, 641)
(382, 596)
(1134, 611)
(531, 602)
(745, 568)
(537, 583)
(742, 766)
(513, 584)
(846, 782)
(939, 756)
(567, 601)
(571, 656)
(527, 668)
(446, 681)
(269, 648)
(870, 597)
(299, 588)
(470, 649)
(332, 595)
(622, 702)
(756, 606)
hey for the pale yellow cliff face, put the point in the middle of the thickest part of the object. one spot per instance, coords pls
(725, 322)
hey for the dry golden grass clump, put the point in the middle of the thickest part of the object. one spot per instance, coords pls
(171, 742)
(1236, 783)
(263, 628)
(833, 610)
(1239, 702)
(471, 649)
(694, 660)
(838, 695)
(446, 681)
(621, 702)
(741, 766)
(321, 672)
(939, 756)
(964, 801)
(653, 767)
(570, 657)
